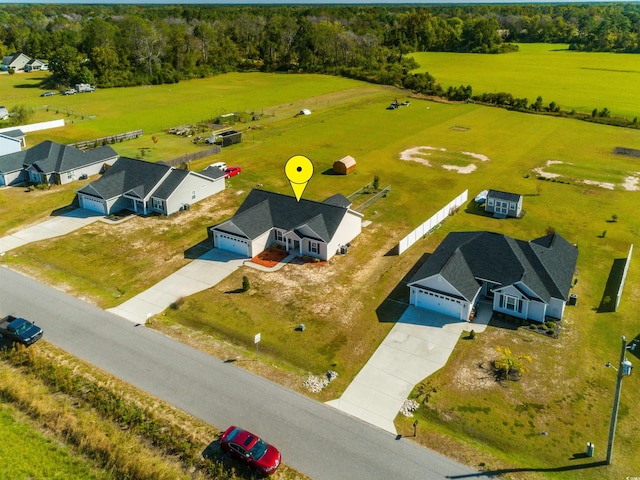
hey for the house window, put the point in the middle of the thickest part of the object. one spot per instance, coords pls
(490, 202)
(156, 203)
(70, 175)
(279, 237)
(512, 206)
(512, 303)
(193, 194)
(314, 247)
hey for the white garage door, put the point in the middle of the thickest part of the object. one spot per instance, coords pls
(93, 204)
(439, 303)
(232, 244)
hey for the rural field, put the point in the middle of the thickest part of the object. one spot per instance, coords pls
(578, 81)
(427, 153)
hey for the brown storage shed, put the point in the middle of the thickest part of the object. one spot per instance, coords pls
(345, 165)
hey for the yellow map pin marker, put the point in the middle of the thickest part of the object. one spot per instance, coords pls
(298, 170)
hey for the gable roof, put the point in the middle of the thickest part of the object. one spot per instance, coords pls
(127, 175)
(261, 211)
(51, 157)
(509, 197)
(170, 183)
(545, 265)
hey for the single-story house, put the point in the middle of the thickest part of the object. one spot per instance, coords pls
(51, 162)
(503, 204)
(145, 188)
(35, 64)
(345, 165)
(528, 280)
(304, 228)
(17, 61)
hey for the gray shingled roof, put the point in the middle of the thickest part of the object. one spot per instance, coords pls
(51, 157)
(545, 265)
(262, 211)
(212, 172)
(127, 175)
(170, 183)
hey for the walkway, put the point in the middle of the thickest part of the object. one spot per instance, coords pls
(417, 346)
(54, 227)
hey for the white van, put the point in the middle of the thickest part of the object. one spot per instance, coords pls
(221, 165)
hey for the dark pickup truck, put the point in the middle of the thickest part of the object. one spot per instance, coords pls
(19, 330)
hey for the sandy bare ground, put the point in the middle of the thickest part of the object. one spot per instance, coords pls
(631, 182)
(418, 154)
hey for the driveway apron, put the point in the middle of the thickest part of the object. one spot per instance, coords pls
(54, 227)
(417, 346)
(202, 273)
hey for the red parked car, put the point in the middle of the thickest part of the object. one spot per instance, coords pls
(232, 172)
(250, 449)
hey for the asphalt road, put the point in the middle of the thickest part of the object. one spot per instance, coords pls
(314, 438)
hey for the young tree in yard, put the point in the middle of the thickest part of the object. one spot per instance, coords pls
(245, 283)
(20, 115)
(509, 364)
(376, 182)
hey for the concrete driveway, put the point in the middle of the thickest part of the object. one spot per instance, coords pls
(418, 345)
(202, 273)
(54, 227)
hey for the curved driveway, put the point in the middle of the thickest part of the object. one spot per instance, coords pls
(318, 440)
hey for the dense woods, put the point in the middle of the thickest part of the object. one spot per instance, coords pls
(121, 45)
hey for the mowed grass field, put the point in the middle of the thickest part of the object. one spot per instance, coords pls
(578, 81)
(345, 305)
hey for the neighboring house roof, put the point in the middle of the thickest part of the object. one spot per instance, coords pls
(509, 197)
(212, 172)
(35, 61)
(261, 211)
(50, 157)
(10, 60)
(17, 134)
(127, 176)
(12, 162)
(545, 265)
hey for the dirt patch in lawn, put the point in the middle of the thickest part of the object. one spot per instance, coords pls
(421, 155)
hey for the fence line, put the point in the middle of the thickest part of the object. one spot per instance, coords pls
(381, 193)
(98, 142)
(624, 277)
(433, 222)
(189, 157)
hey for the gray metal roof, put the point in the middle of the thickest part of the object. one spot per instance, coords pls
(545, 265)
(261, 211)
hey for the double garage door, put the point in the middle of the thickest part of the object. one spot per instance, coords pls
(439, 303)
(232, 244)
(93, 204)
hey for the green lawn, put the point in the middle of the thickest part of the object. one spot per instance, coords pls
(343, 303)
(574, 80)
(27, 453)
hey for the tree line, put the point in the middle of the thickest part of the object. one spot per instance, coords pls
(124, 45)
